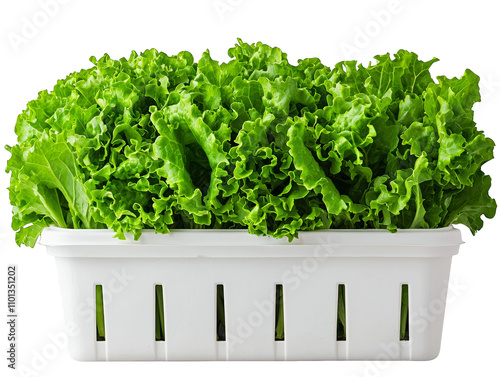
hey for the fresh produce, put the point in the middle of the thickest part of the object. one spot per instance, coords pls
(163, 142)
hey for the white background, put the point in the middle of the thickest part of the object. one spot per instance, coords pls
(462, 34)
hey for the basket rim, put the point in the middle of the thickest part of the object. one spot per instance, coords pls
(239, 243)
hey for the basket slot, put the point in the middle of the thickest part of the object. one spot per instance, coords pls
(341, 314)
(404, 325)
(99, 314)
(221, 320)
(159, 314)
(310, 320)
(279, 332)
(130, 333)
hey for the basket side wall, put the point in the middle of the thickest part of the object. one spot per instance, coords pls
(310, 286)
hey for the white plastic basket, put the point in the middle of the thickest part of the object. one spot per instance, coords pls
(373, 265)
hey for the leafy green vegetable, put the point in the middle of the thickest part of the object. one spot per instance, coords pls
(163, 142)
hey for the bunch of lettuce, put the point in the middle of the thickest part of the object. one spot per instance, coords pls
(163, 142)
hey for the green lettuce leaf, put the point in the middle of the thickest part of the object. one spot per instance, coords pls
(165, 142)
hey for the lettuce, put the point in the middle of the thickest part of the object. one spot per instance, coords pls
(163, 142)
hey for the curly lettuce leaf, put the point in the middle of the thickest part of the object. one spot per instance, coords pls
(164, 142)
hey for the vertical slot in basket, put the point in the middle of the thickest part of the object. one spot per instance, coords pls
(159, 314)
(341, 314)
(99, 314)
(221, 317)
(404, 325)
(279, 333)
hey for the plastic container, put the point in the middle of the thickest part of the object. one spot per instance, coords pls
(372, 265)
